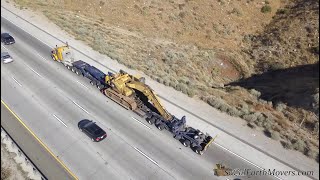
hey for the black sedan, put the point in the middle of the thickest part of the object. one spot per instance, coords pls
(91, 129)
(7, 39)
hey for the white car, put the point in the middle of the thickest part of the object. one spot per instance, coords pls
(6, 58)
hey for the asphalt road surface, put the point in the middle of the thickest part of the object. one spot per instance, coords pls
(51, 100)
(37, 153)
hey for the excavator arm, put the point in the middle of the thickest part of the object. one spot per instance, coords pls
(148, 92)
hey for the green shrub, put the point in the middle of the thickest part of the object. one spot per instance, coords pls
(224, 107)
(280, 106)
(232, 111)
(299, 145)
(173, 84)
(275, 135)
(266, 9)
(215, 102)
(286, 144)
(250, 117)
(190, 92)
(267, 124)
(255, 93)
(159, 80)
(312, 153)
(166, 81)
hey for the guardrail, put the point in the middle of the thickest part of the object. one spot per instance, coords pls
(26, 164)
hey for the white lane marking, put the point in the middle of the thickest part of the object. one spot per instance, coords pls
(16, 81)
(146, 156)
(34, 71)
(59, 120)
(40, 56)
(26, 31)
(80, 107)
(243, 159)
(82, 84)
(141, 123)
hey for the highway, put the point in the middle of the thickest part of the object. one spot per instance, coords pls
(51, 100)
(38, 154)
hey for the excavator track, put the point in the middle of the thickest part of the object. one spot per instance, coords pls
(122, 100)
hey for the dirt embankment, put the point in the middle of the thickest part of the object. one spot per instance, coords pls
(223, 52)
(10, 170)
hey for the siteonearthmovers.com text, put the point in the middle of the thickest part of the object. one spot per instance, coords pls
(266, 172)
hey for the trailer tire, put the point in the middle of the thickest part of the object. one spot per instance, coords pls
(151, 120)
(100, 86)
(186, 143)
(73, 69)
(68, 67)
(93, 83)
(160, 127)
(80, 129)
(198, 150)
(177, 137)
(78, 72)
(53, 58)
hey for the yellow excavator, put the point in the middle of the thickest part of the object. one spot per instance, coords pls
(132, 93)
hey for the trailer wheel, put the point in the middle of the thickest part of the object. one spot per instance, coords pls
(80, 129)
(177, 137)
(151, 120)
(100, 86)
(73, 69)
(93, 83)
(160, 127)
(53, 58)
(68, 67)
(186, 143)
(198, 150)
(78, 72)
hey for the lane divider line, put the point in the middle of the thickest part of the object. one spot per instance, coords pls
(55, 116)
(38, 139)
(16, 81)
(146, 156)
(33, 70)
(141, 122)
(82, 84)
(80, 107)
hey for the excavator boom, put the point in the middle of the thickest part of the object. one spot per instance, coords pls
(148, 92)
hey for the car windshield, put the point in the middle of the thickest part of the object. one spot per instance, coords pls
(6, 56)
(98, 131)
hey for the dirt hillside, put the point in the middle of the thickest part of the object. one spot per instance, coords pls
(255, 59)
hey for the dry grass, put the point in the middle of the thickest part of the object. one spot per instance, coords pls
(198, 46)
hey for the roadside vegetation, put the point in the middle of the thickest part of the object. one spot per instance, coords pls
(257, 60)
